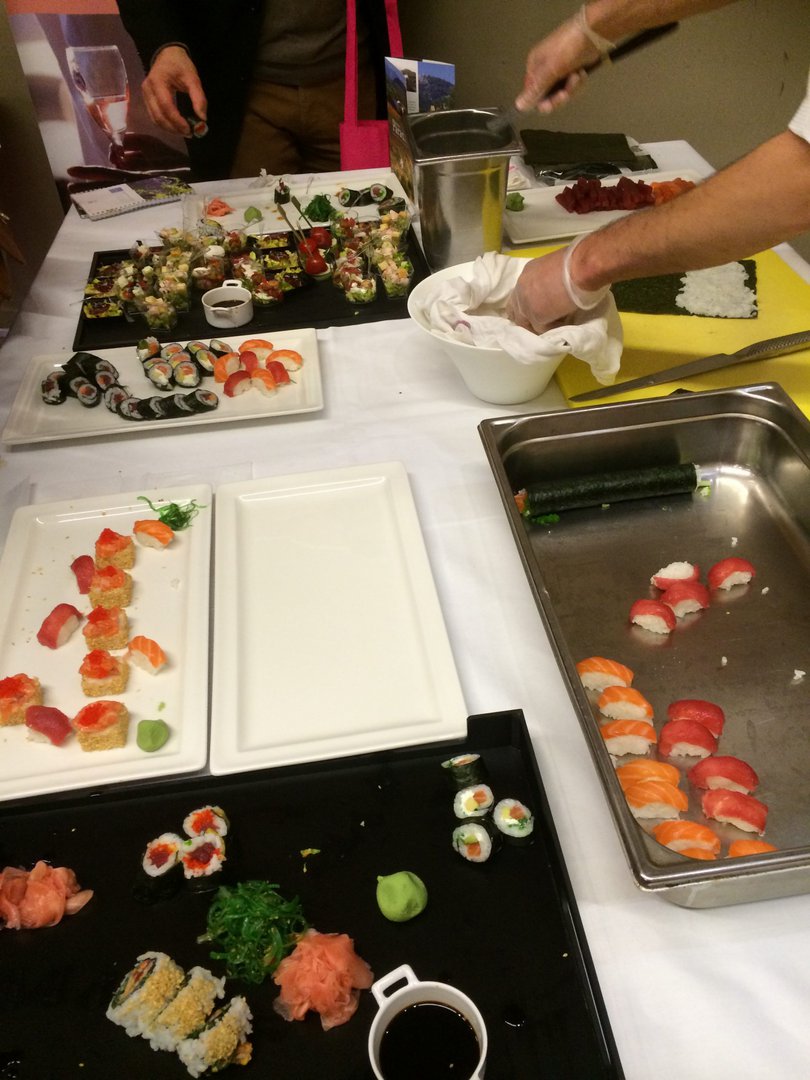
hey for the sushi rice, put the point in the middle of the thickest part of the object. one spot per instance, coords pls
(188, 1009)
(221, 1041)
(144, 992)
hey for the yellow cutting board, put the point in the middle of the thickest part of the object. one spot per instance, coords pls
(654, 342)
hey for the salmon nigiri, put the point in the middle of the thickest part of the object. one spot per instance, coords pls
(635, 771)
(624, 703)
(146, 654)
(597, 672)
(153, 533)
(738, 848)
(627, 736)
(655, 799)
(684, 836)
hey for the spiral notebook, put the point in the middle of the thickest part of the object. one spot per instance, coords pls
(104, 202)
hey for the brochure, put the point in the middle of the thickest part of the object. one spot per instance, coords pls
(104, 202)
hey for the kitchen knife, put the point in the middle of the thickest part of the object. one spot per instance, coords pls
(760, 350)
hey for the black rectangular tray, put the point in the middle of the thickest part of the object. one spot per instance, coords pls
(316, 304)
(506, 932)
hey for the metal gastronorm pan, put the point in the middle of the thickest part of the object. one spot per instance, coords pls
(746, 652)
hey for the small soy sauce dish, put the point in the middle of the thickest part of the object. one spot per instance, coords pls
(425, 1029)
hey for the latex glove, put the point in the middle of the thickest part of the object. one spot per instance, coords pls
(561, 55)
(545, 296)
(173, 71)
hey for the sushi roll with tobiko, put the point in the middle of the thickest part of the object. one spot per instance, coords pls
(110, 587)
(206, 819)
(203, 857)
(106, 628)
(221, 1041)
(187, 1011)
(102, 725)
(144, 992)
(514, 819)
(465, 769)
(475, 841)
(473, 802)
(114, 549)
(103, 674)
(161, 872)
(597, 673)
(17, 694)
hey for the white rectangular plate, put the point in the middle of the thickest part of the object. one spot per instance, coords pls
(194, 206)
(328, 637)
(170, 604)
(542, 217)
(32, 421)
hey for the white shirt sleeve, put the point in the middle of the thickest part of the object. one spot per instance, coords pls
(800, 124)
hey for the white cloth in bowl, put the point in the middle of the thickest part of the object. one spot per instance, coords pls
(472, 310)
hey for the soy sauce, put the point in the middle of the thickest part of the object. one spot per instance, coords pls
(227, 303)
(430, 1041)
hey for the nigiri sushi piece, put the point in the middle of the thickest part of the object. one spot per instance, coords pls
(730, 572)
(685, 597)
(237, 383)
(724, 771)
(291, 359)
(114, 549)
(673, 572)
(145, 653)
(59, 626)
(264, 382)
(624, 703)
(655, 799)
(699, 853)
(278, 371)
(250, 361)
(634, 771)
(83, 566)
(46, 724)
(705, 712)
(255, 343)
(736, 808)
(687, 836)
(628, 736)
(738, 848)
(686, 738)
(597, 672)
(226, 365)
(654, 616)
(153, 533)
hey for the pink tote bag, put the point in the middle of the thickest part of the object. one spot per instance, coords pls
(364, 143)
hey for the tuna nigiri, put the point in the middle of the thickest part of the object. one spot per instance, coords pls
(597, 672)
(655, 799)
(685, 836)
(654, 616)
(150, 532)
(686, 738)
(685, 597)
(736, 808)
(730, 572)
(237, 383)
(738, 848)
(46, 724)
(278, 371)
(705, 712)
(624, 703)
(675, 571)
(635, 771)
(83, 566)
(59, 626)
(724, 771)
(627, 736)
(146, 654)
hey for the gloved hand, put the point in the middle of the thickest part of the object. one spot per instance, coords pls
(545, 295)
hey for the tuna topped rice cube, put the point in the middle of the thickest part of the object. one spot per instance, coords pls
(102, 725)
(102, 673)
(17, 692)
(106, 628)
(110, 587)
(114, 549)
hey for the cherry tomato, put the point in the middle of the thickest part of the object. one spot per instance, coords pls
(308, 246)
(321, 236)
(316, 264)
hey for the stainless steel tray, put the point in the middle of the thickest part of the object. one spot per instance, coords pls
(753, 444)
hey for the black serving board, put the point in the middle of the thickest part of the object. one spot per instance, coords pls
(506, 932)
(316, 304)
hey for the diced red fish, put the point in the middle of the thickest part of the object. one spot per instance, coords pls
(325, 974)
(59, 626)
(597, 672)
(674, 572)
(624, 703)
(686, 837)
(654, 616)
(736, 808)
(83, 566)
(705, 712)
(724, 771)
(685, 597)
(730, 572)
(41, 897)
(686, 738)
(48, 723)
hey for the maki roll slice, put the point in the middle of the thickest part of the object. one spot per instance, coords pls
(350, 197)
(219, 347)
(187, 1011)
(129, 408)
(206, 819)
(104, 379)
(203, 858)
(54, 387)
(147, 347)
(473, 802)
(85, 392)
(221, 1041)
(465, 770)
(202, 401)
(144, 992)
(475, 841)
(205, 360)
(170, 348)
(187, 374)
(514, 819)
(379, 193)
(161, 872)
(153, 408)
(160, 374)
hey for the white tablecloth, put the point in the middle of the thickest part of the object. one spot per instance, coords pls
(691, 995)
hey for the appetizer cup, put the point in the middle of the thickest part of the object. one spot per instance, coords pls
(461, 1031)
(229, 305)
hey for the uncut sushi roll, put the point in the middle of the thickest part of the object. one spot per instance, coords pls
(221, 1041)
(514, 820)
(187, 1011)
(161, 872)
(465, 769)
(473, 802)
(475, 841)
(624, 703)
(655, 799)
(206, 819)
(686, 738)
(724, 771)
(705, 712)
(735, 808)
(597, 673)
(654, 616)
(628, 737)
(144, 992)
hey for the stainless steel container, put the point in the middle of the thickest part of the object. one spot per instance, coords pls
(460, 163)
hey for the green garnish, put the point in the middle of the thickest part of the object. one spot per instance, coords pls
(151, 735)
(319, 208)
(254, 928)
(175, 516)
(253, 213)
(515, 201)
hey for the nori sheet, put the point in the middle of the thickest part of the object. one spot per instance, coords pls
(656, 295)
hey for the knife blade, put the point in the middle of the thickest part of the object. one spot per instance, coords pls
(760, 350)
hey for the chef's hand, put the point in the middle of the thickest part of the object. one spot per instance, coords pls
(561, 55)
(545, 294)
(173, 71)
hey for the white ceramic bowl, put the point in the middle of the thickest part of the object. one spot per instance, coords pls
(491, 374)
(229, 305)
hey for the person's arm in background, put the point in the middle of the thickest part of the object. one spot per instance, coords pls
(158, 30)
